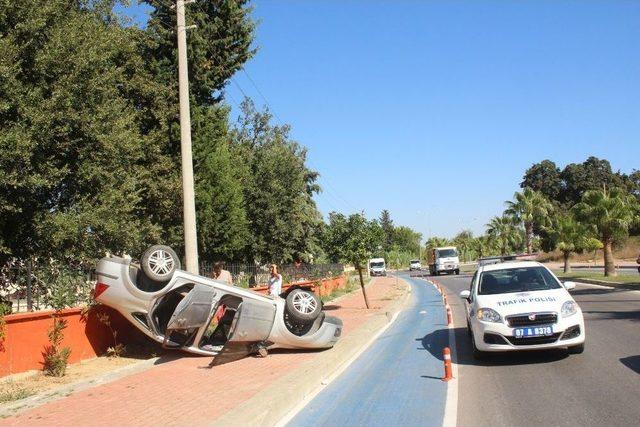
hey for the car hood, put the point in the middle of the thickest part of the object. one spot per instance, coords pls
(525, 302)
(448, 260)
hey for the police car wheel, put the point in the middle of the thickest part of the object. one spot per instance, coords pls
(576, 349)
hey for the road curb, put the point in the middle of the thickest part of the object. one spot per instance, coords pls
(280, 399)
(629, 286)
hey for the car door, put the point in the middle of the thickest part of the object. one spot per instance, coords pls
(191, 313)
(250, 328)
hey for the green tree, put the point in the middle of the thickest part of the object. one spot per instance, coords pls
(529, 208)
(609, 214)
(504, 234)
(76, 151)
(569, 236)
(387, 226)
(406, 240)
(223, 227)
(278, 187)
(464, 242)
(591, 174)
(544, 177)
(480, 246)
(354, 240)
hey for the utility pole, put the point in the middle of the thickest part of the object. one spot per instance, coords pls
(188, 193)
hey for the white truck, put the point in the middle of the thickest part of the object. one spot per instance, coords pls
(377, 267)
(443, 260)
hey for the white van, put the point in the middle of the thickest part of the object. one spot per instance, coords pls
(377, 267)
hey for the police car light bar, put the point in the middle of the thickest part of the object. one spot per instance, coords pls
(503, 258)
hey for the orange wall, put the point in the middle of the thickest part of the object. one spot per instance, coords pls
(26, 333)
(26, 337)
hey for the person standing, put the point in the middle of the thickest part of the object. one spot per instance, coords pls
(275, 281)
(221, 274)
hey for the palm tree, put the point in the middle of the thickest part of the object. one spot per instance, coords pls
(529, 208)
(571, 236)
(609, 214)
(480, 245)
(504, 234)
(463, 242)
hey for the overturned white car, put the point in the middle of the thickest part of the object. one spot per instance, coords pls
(521, 306)
(208, 317)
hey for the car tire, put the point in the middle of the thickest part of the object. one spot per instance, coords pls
(159, 262)
(457, 272)
(303, 305)
(576, 349)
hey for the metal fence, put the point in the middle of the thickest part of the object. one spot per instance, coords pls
(26, 286)
(251, 275)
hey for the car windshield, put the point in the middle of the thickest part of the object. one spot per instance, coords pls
(415, 262)
(510, 280)
(376, 265)
(446, 253)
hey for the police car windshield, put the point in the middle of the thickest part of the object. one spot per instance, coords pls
(446, 253)
(525, 279)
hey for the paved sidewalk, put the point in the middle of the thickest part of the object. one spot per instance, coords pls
(184, 391)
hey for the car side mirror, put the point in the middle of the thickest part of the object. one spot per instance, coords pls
(569, 285)
(465, 295)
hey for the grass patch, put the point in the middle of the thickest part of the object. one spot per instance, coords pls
(622, 278)
(352, 283)
(13, 392)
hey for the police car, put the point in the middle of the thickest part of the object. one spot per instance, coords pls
(521, 305)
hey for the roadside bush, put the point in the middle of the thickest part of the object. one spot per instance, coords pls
(62, 294)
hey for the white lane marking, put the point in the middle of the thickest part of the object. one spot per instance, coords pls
(451, 407)
(423, 311)
(323, 384)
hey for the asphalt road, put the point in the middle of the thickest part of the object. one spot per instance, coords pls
(600, 387)
(397, 381)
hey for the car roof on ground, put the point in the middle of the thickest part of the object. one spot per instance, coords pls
(509, 265)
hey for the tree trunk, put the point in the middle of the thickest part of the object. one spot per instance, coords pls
(567, 265)
(609, 263)
(528, 229)
(364, 291)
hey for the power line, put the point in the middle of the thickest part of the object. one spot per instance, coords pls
(264, 98)
(330, 189)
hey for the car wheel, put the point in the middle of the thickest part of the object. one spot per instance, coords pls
(457, 271)
(303, 305)
(576, 349)
(159, 262)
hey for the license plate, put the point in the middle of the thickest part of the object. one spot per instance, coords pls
(534, 331)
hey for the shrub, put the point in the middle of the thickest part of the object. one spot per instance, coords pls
(55, 357)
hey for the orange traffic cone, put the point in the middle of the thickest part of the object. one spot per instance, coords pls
(446, 355)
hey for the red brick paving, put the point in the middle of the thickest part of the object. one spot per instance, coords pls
(184, 391)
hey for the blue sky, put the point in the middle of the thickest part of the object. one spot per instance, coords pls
(434, 109)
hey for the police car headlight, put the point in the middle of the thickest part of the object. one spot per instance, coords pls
(569, 308)
(488, 315)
